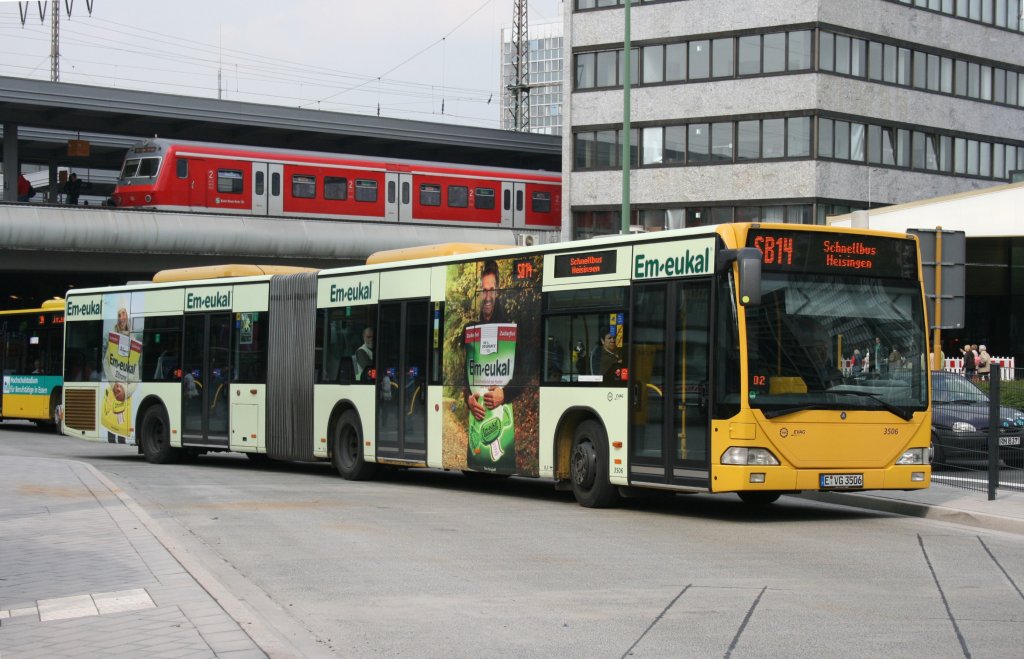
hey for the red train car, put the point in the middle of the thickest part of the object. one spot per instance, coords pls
(218, 178)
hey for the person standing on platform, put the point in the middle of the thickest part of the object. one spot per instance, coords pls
(72, 189)
(25, 191)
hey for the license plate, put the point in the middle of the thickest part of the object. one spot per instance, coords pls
(842, 480)
(1009, 441)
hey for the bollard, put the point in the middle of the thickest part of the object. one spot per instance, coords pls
(994, 422)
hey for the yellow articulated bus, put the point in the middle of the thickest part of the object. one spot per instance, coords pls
(30, 360)
(750, 358)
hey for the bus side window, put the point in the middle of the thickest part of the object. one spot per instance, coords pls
(161, 347)
(341, 332)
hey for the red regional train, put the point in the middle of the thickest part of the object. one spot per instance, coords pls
(219, 178)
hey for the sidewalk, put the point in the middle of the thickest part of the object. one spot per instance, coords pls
(942, 503)
(84, 574)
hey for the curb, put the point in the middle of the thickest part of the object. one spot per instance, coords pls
(913, 509)
(258, 627)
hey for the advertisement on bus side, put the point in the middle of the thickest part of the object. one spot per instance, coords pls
(122, 352)
(492, 405)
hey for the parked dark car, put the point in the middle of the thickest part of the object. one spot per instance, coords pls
(960, 412)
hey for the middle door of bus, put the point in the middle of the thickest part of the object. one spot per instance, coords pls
(403, 338)
(669, 418)
(206, 379)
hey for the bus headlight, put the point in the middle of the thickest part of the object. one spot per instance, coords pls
(914, 456)
(963, 426)
(741, 455)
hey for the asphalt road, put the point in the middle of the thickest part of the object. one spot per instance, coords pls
(427, 563)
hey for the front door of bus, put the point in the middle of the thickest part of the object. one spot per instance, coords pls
(669, 383)
(402, 349)
(206, 376)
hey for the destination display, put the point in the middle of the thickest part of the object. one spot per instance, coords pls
(835, 253)
(584, 264)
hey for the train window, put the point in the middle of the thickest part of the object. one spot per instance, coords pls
(519, 200)
(303, 186)
(182, 168)
(506, 199)
(430, 194)
(405, 193)
(458, 196)
(540, 202)
(275, 184)
(148, 167)
(484, 198)
(130, 167)
(335, 188)
(229, 180)
(260, 184)
(366, 190)
(392, 192)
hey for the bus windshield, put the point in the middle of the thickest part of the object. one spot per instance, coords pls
(846, 342)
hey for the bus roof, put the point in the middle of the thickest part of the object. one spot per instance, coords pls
(429, 251)
(227, 270)
(55, 304)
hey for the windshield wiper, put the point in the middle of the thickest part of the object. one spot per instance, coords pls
(902, 413)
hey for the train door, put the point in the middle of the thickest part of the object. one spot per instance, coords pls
(275, 189)
(398, 202)
(392, 199)
(403, 338)
(513, 204)
(259, 188)
(201, 178)
(206, 380)
(669, 418)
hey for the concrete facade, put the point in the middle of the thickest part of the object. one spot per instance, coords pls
(809, 186)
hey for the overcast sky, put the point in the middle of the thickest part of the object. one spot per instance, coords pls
(405, 56)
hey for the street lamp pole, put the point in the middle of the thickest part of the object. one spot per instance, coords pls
(627, 82)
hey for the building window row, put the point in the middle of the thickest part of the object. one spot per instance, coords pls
(697, 143)
(883, 62)
(904, 148)
(608, 4)
(699, 59)
(792, 51)
(998, 13)
(592, 223)
(1005, 14)
(774, 138)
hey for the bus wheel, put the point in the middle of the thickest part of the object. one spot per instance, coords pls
(588, 466)
(56, 411)
(759, 498)
(155, 437)
(347, 449)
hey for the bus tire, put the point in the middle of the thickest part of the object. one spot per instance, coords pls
(588, 467)
(347, 449)
(155, 437)
(758, 498)
(56, 411)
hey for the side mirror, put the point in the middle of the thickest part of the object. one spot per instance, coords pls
(749, 261)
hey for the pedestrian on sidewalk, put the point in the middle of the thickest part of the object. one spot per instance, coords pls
(984, 363)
